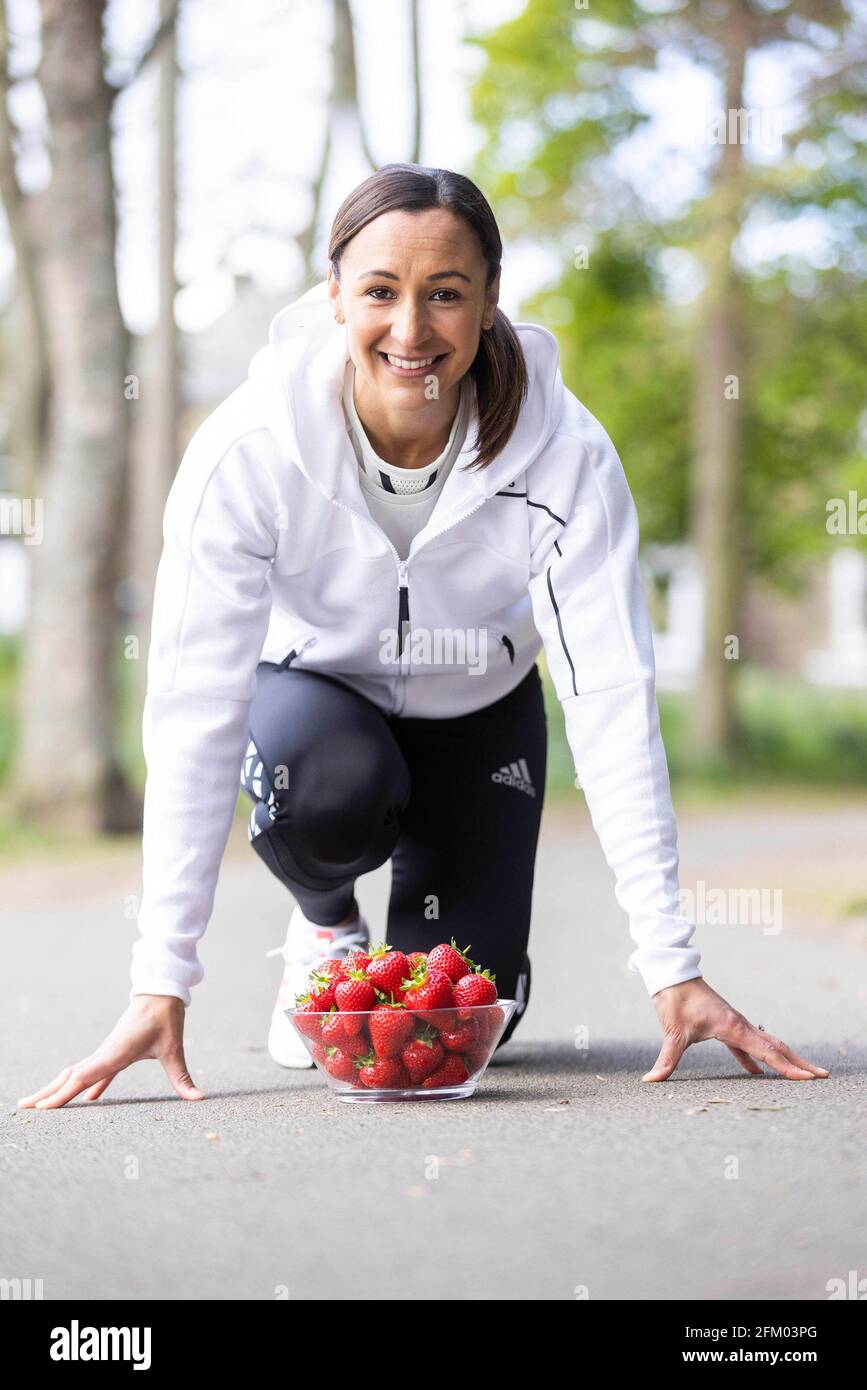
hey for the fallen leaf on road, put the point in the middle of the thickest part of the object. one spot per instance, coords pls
(458, 1159)
(769, 1107)
(558, 1105)
(696, 1110)
(718, 1100)
(209, 1134)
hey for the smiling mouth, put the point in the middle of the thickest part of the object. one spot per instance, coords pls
(412, 363)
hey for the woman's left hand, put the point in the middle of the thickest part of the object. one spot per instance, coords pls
(692, 1012)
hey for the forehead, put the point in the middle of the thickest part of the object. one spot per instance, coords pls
(400, 240)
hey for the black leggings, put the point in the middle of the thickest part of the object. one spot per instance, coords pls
(340, 787)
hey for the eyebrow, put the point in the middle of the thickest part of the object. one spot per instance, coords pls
(438, 275)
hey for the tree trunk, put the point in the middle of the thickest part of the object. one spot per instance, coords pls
(67, 770)
(716, 432)
(29, 406)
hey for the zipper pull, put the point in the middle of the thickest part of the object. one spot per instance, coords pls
(403, 605)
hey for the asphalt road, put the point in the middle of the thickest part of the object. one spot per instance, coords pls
(564, 1177)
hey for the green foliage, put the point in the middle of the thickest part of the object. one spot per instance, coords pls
(557, 99)
(791, 735)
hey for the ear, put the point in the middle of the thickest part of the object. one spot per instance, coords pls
(333, 289)
(492, 298)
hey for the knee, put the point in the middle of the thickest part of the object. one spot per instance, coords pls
(344, 799)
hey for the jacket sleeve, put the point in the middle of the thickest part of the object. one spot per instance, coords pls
(212, 603)
(590, 609)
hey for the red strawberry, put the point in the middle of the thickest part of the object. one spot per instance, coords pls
(477, 1058)
(358, 1044)
(333, 1032)
(387, 968)
(451, 1073)
(339, 1064)
(335, 969)
(462, 1037)
(356, 959)
(354, 996)
(390, 1026)
(474, 989)
(491, 1022)
(318, 1054)
(323, 987)
(455, 962)
(429, 990)
(386, 1072)
(308, 1016)
(415, 958)
(422, 1055)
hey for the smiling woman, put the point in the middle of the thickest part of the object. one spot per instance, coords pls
(414, 272)
(417, 468)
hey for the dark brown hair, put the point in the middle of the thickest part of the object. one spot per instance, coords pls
(498, 370)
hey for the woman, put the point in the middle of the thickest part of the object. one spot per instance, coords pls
(367, 545)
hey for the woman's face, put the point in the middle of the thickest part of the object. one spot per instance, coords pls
(412, 290)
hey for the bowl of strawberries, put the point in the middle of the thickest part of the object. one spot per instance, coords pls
(385, 1025)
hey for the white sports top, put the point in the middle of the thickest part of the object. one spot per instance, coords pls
(400, 500)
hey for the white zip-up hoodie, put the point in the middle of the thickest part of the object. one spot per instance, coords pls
(270, 553)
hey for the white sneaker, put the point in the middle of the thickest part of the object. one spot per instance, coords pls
(305, 944)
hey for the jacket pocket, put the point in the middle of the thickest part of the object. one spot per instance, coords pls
(502, 641)
(298, 647)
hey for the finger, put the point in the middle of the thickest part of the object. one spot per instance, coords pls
(801, 1062)
(745, 1060)
(670, 1054)
(176, 1070)
(78, 1081)
(101, 1088)
(770, 1050)
(46, 1090)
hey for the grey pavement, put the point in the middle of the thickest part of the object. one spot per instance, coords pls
(564, 1175)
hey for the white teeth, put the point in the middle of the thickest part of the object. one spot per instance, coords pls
(409, 363)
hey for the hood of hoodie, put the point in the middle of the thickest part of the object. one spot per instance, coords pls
(298, 377)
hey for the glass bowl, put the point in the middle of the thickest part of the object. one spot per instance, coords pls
(341, 1047)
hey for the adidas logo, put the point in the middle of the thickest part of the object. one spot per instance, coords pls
(516, 775)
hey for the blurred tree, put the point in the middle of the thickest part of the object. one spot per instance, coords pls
(559, 97)
(67, 766)
(345, 114)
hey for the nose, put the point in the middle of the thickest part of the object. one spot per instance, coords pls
(410, 326)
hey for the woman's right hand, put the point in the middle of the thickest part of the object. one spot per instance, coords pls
(152, 1025)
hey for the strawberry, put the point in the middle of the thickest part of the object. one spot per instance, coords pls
(388, 1072)
(451, 1073)
(455, 962)
(387, 968)
(335, 969)
(333, 1032)
(474, 989)
(308, 1013)
(477, 1057)
(318, 1054)
(491, 1022)
(415, 958)
(462, 1037)
(339, 1064)
(422, 1055)
(356, 959)
(390, 1026)
(323, 987)
(428, 991)
(354, 996)
(356, 1044)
